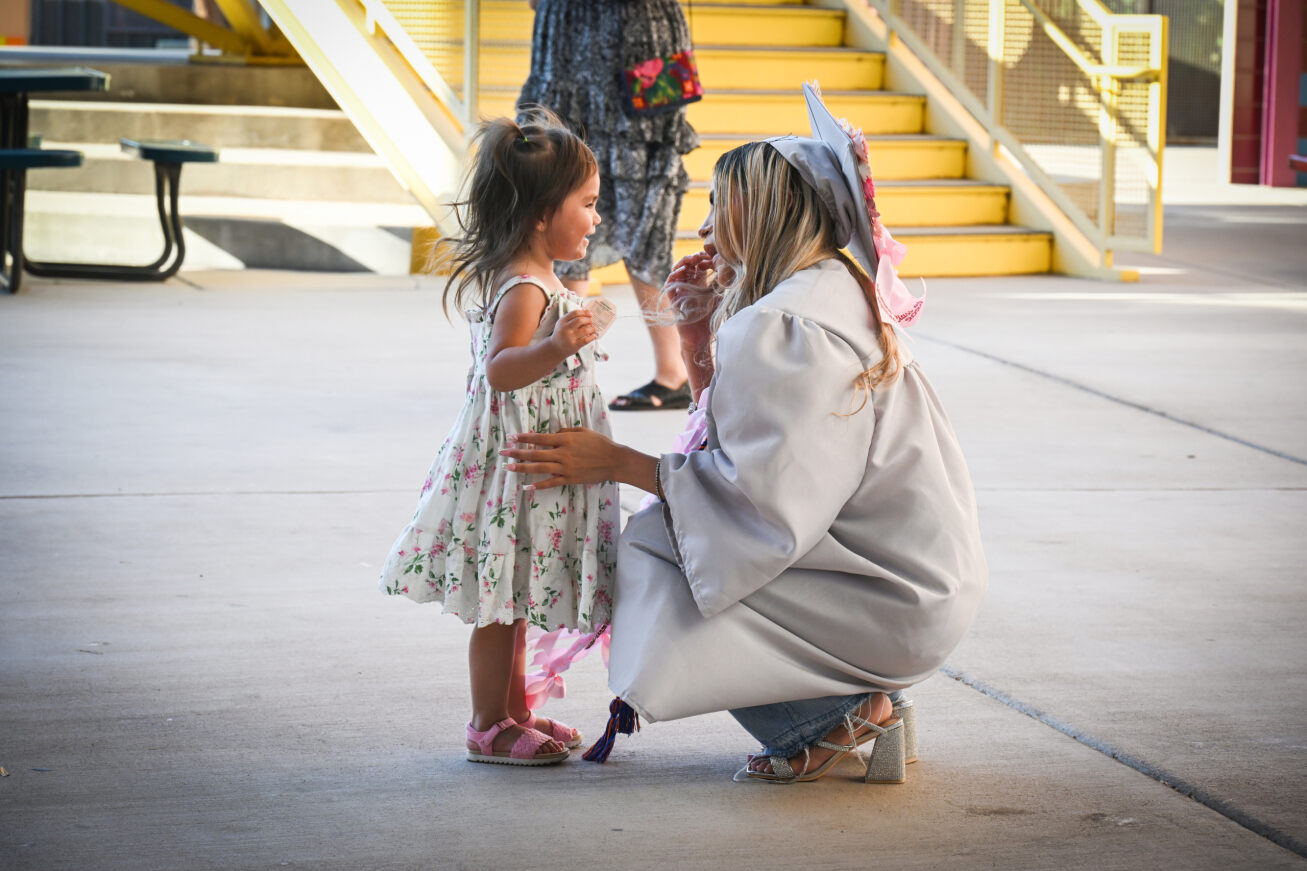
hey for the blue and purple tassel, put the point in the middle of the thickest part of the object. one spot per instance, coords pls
(621, 718)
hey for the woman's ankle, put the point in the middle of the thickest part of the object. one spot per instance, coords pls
(879, 708)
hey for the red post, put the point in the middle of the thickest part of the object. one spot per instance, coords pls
(1280, 81)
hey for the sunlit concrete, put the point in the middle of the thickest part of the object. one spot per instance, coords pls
(199, 481)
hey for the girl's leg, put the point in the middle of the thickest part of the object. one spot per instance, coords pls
(490, 654)
(517, 708)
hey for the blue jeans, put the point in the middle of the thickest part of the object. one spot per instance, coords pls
(785, 728)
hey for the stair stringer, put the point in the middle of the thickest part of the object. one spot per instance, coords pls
(396, 113)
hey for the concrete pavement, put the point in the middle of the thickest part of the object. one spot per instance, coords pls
(200, 479)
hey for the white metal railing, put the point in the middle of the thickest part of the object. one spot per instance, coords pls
(1072, 92)
(381, 17)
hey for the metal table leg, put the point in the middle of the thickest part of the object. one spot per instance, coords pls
(167, 188)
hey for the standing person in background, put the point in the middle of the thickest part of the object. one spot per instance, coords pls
(577, 50)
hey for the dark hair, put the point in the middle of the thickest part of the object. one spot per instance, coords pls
(520, 174)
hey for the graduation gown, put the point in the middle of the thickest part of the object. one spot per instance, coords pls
(809, 551)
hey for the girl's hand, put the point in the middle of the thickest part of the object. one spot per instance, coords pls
(570, 456)
(573, 332)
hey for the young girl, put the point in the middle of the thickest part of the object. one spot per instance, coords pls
(482, 541)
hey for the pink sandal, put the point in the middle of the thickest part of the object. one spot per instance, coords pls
(525, 749)
(560, 732)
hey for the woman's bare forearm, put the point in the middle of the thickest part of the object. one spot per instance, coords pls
(699, 367)
(634, 468)
(577, 456)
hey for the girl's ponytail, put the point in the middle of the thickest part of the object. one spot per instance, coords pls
(520, 173)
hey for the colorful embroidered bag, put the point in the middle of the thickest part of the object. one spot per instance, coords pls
(661, 84)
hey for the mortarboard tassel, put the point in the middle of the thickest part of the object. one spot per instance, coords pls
(621, 718)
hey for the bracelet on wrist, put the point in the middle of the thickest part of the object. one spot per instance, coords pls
(658, 480)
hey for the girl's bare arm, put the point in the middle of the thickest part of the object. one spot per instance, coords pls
(514, 360)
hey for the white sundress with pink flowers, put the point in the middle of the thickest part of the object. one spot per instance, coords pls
(489, 550)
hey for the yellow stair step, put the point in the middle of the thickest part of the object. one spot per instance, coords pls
(937, 252)
(970, 251)
(892, 157)
(902, 203)
(746, 112)
(507, 64)
(930, 203)
(933, 253)
(689, 10)
(716, 24)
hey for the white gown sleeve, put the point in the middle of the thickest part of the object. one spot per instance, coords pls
(786, 458)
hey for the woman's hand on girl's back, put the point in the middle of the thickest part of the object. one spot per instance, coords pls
(569, 456)
(574, 331)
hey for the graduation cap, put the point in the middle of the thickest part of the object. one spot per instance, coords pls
(834, 162)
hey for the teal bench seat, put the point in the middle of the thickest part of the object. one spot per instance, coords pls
(168, 157)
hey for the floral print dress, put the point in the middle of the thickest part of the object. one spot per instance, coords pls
(489, 550)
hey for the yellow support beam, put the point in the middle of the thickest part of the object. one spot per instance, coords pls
(244, 18)
(192, 25)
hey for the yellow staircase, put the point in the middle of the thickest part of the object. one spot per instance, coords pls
(753, 55)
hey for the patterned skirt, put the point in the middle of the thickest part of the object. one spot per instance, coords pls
(577, 50)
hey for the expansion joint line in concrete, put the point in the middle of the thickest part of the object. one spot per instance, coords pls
(1161, 775)
(1117, 399)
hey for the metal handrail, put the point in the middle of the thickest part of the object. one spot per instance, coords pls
(1073, 51)
(1106, 77)
(464, 109)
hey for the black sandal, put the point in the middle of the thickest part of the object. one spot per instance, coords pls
(653, 397)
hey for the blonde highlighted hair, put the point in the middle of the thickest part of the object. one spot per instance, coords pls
(774, 224)
(521, 173)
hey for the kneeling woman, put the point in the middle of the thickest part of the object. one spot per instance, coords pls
(822, 549)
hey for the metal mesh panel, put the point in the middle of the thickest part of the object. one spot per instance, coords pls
(965, 48)
(1194, 63)
(436, 27)
(1050, 105)
(1087, 132)
(1076, 22)
(975, 60)
(1123, 108)
(932, 21)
